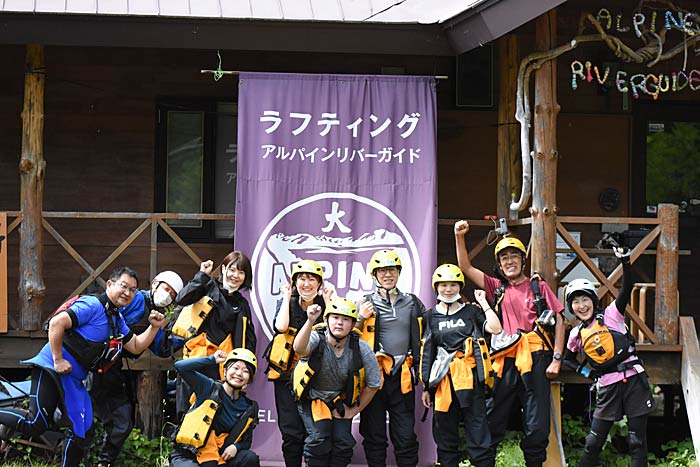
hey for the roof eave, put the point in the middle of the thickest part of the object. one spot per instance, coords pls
(216, 33)
(492, 19)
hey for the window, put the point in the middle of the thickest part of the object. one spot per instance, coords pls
(669, 169)
(196, 165)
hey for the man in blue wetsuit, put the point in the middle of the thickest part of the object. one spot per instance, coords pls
(112, 391)
(89, 335)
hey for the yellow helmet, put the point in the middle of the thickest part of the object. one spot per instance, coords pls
(245, 356)
(448, 273)
(509, 242)
(384, 259)
(308, 266)
(341, 306)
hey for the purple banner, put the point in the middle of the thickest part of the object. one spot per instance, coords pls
(333, 168)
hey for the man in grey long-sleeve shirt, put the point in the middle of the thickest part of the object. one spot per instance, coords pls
(391, 323)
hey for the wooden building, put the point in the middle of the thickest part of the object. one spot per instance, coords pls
(118, 88)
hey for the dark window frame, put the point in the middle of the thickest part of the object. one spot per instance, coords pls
(642, 116)
(208, 106)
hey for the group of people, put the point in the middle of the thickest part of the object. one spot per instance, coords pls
(332, 359)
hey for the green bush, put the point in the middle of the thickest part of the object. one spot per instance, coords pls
(575, 429)
(139, 450)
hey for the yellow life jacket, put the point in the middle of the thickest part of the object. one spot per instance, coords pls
(307, 367)
(196, 425)
(191, 318)
(194, 433)
(280, 354)
(369, 328)
(603, 348)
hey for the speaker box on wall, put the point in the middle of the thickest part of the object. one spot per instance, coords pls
(475, 78)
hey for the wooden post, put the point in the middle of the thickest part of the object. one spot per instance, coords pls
(666, 302)
(3, 272)
(554, 455)
(154, 250)
(31, 168)
(150, 387)
(509, 165)
(690, 377)
(544, 175)
(544, 186)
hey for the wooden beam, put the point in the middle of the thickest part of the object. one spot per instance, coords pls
(14, 224)
(153, 263)
(483, 223)
(180, 242)
(477, 249)
(544, 168)
(690, 377)
(71, 251)
(666, 301)
(118, 251)
(31, 168)
(130, 215)
(566, 236)
(509, 165)
(3, 272)
(608, 220)
(636, 252)
(569, 267)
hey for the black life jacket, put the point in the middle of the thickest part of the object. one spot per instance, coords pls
(93, 356)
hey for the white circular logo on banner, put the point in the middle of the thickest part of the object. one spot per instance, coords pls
(339, 230)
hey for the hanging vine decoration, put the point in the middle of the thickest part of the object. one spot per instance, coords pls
(651, 53)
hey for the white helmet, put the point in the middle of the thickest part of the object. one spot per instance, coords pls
(171, 278)
(580, 287)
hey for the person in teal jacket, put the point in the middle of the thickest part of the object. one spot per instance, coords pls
(230, 429)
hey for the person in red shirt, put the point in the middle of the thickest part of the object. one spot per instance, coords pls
(524, 370)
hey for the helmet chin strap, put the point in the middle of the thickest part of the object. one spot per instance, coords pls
(380, 286)
(338, 341)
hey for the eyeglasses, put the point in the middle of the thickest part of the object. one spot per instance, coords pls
(508, 256)
(388, 270)
(125, 287)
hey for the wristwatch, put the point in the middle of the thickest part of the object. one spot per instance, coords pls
(556, 356)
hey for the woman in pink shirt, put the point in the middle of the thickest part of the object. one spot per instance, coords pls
(622, 385)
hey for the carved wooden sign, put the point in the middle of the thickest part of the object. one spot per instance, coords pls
(663, 32)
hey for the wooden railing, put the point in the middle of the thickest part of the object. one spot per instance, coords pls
(665, 229)
(152, 221)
